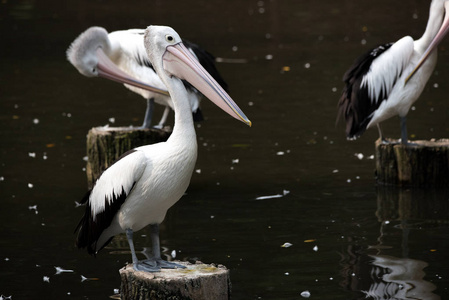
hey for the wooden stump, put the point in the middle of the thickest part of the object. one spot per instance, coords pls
(422, 164)
(197, 282)
(106, 144)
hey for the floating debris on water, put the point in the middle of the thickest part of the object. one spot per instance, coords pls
(173, 254)
(46, 279)
(112, 120)
(77, 204)
(315, 248)
(269, 197)
(198, 171)
(359, 155)
(32, 154)
(60, 270)
(36, 121)
(310, 241)
(335, 171)
(286, 245)
(3, 297)
(33, 207)
(235, 161)
(30, 185)
(83, 278)
(305, 294)
(284, 193)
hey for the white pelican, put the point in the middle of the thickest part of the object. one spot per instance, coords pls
(124, 49)
(375, 84)
(141, 186)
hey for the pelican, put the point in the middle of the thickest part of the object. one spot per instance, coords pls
(95, 49)
(145, 182)
(375, 87)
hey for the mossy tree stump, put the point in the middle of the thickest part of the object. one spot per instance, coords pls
(420, 164)
(197, 282)
(106, 144)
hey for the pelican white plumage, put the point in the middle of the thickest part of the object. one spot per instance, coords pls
(139, 188)
(375, 84)
(125, 50)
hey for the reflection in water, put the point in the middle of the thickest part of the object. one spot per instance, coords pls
(381, 276)
(399, 278)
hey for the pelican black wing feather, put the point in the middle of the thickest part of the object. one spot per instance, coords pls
(355, 105)
(89, 228)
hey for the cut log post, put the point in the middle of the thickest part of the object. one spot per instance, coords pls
(420, 164)
(106, 144)
(197, 282)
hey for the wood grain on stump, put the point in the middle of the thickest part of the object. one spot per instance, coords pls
(420, 164)
(197, 282)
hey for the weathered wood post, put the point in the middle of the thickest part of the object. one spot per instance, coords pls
(420, 164)
(106, 144)
(197, 282)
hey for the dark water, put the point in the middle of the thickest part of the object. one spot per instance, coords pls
(350, 238)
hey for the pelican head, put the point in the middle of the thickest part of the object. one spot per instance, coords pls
(168, 54)
(82, 53)
(90, 53)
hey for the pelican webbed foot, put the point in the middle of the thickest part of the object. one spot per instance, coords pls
(163, 264)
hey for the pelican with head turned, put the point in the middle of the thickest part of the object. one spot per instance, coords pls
(374, 85)
(119, 54)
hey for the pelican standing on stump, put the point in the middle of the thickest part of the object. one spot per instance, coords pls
(95, 49)
(379, 85)
(145, 182)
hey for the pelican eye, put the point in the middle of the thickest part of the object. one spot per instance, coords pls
(169, 38)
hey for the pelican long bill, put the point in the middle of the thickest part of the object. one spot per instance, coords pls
(107, 69)
(178, 60)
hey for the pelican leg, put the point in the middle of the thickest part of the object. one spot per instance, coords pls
(156, 259)
(148, 113)
(164, 118)
(139, 265)
(381, 136)
(404, 138)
